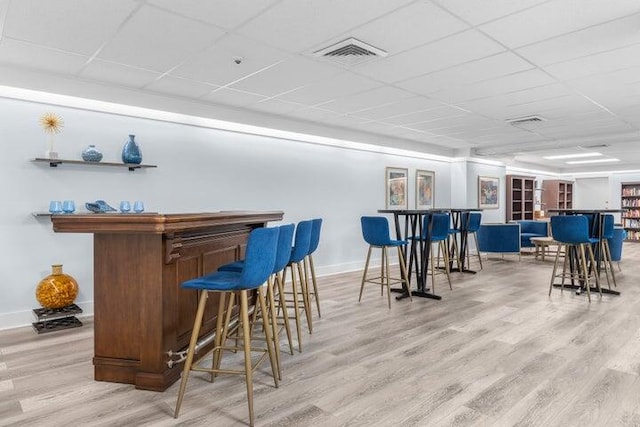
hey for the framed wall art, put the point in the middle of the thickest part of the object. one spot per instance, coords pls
(396, 188)
(424, 189)
(488, 192)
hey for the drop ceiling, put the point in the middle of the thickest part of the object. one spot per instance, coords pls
(453, 72)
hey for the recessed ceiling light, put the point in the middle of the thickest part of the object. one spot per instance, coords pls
(572, 156)
(577, 162)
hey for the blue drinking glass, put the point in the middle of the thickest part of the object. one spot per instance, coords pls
(68, 206)
(138, 206)
(125, 206)
(55, 207)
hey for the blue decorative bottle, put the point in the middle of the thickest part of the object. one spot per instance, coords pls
(91, 154)
(131, 152)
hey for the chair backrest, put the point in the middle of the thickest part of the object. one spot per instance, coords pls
(260, 256)
(302, 241)
(570, 228)
(607, 226)
(375, 230)
(615, 243)
(285, 239)
(316, 225)
(474, 222)
(439, 226)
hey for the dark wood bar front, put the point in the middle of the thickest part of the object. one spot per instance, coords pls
(140, 260)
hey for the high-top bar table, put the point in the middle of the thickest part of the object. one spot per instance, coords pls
(140, 260)
(413, 226)
(597, 231)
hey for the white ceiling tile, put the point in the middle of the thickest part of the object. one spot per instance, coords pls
(422, 116)
(287, 75)
(118, 74)
(383, 33)
(232, 97)
(181, 87)
(275, 106)
(557, 17)
(605, 62)
(608, 36)
(441, 125)
(629, 75)
(224, 13)
(216, 64)
(328, 89)
(471, 72)
(489, 10)
(488, 88)
(315, 114)
(73, 25)
(444, 53)
(367, 100)
(40, 58)
(298, 26)
(157, 40)
(406, 106)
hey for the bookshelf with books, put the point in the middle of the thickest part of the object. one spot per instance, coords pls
(631, 218)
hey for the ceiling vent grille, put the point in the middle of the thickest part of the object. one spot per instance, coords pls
(350, 52)
(525, 120)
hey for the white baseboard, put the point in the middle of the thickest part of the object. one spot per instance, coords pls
(19, 319)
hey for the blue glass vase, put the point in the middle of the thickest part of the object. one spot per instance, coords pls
(131, 152)
(91, 154)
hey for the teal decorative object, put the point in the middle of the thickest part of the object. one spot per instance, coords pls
(91, 154)
(131, 152)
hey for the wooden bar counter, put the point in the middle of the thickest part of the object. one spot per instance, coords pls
(140, 260)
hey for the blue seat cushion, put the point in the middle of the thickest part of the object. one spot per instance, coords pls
(218, 281)
(236, 266)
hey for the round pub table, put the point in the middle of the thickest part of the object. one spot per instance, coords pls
(542, 245)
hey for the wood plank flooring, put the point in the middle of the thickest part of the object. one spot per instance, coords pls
(495, 351)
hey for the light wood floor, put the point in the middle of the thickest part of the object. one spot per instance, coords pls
(496, 351)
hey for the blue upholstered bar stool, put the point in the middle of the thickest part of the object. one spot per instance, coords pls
(438, 235)
(454, 232)
(258, 265)
(316, 225)
(275, 283)
(615, 245)
(607, 233)
(475, 218)
(375, 231)
(572, 233)
(298, 292)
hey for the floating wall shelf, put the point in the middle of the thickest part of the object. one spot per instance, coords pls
(55, 162)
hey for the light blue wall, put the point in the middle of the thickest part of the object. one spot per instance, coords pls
(199, 169)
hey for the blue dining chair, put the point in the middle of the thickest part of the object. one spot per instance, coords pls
(258, 266)
(572, 233)
(375, 231)
(437, 235)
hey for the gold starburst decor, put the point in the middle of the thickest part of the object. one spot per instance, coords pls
(51, 124)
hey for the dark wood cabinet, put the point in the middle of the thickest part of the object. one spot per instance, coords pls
(140, 260)
(631, 217)
(520, 197)
(557, 194)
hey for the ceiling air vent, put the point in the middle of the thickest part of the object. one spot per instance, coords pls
(525, 120)
(350, 52)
